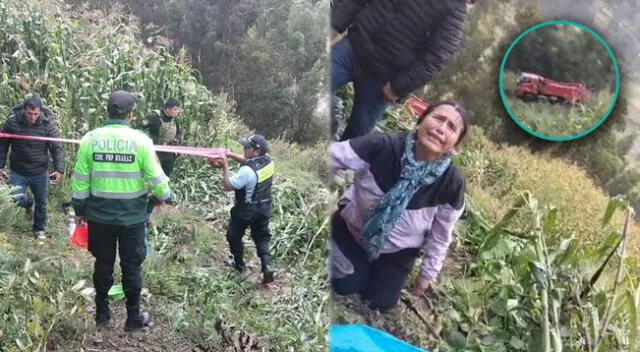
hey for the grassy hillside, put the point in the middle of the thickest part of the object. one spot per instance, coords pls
(535, 231)
(73, 60)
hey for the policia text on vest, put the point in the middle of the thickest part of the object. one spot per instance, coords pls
(116, 164)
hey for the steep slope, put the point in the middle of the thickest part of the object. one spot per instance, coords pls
(73, 60)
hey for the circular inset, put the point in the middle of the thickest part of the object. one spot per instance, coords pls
(559, 80)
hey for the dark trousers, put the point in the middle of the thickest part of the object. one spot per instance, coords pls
(39, 185)
(253, 216)
(131, 246)
(368, 100)
(379, 282)
(167, 161)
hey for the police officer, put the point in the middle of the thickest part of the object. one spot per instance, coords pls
(165, 129)
(252, 186)
(110, 193)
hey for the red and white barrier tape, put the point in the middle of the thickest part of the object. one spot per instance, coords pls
(195, 151)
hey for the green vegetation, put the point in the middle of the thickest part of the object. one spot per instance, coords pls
(560, 121)
(73, 60)
(268, 55)
(539, 224)
(535, 231)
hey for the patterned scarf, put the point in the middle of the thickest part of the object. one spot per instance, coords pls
(414, 175)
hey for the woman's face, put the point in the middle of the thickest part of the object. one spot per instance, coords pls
(440, 130)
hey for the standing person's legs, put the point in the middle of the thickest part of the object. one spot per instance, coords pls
(368, 106)
(261, 237)
(20, 193)
(349, 264)
(343, 68)
(167, 162)
(102, 245)
(388, 275)
(237, 226)
(39, 185)
(132, 249)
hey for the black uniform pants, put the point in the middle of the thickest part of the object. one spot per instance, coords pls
(380, 281)
(131, 246)
(167, 161)
(256, 217)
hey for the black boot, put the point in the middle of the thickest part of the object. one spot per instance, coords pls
(267, 271)
(237, 262)
(103, 314)
(136, 320)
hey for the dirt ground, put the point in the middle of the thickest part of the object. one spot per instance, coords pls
(83, 335)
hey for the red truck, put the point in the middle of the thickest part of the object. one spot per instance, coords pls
(531, 86)
(416, 105)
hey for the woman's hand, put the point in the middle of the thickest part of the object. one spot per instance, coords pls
(420, 286)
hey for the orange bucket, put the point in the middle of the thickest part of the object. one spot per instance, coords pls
(80, 236)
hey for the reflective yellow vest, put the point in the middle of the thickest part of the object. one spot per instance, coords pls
(115, 166)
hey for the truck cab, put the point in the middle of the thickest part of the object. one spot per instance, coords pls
(528, 86)
(531, 87)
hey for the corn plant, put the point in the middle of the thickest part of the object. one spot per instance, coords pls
(8, 210)
(73, 64)
(519, 292)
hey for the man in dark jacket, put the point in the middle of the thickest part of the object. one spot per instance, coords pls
(164, 128)
(391, 49)
(29, 160)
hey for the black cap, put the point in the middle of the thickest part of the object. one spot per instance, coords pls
(169, 103)
(256, 141)
(121, 102)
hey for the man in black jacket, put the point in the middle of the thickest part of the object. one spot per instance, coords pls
(391, 49)
(29, 160)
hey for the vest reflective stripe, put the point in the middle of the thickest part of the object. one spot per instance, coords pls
(80, 195)
(81, 177)
(117, 174)
(266, 172)
(158, 180)
(118, 185)
(118, 195)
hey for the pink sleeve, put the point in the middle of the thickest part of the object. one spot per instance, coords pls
(438, 239)
(342, 156)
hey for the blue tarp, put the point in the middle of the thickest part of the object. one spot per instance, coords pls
(363, 338)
